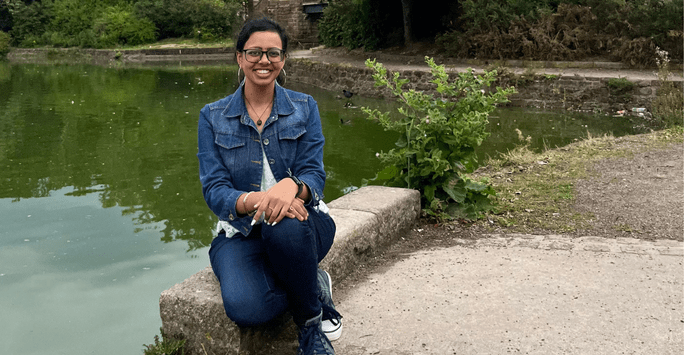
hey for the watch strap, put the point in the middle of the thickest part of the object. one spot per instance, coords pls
(300, 185)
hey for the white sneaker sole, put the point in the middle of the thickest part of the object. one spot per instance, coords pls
(331, 330)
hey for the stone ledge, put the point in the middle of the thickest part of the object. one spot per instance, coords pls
(367, 221)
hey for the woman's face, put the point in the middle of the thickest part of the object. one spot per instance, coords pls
(263, 72)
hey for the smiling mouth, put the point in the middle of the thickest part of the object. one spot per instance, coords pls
(262, 71)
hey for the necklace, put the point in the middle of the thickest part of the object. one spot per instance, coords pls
(262, 112)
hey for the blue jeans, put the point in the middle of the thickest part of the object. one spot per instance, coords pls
(273, 269)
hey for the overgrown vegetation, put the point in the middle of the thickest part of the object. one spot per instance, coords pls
(620, 30)
(535, 192)
(620, 88)
(165, 347)
(4, 43)
(363, 23)
(627, 31)
(668, 106)
(202, 19)
(438, 138)
(111, 23)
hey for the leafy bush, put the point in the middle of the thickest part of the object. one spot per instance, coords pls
(336, 25)
(628, 31)
(71, 17)
(495, 15)
(118, 25)
(368, 24)
(29, 21)
(182, 18)
(564, 35)
(439, 137)
(4, 43)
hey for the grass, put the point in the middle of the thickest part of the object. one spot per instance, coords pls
(165, 346)
(536, 191)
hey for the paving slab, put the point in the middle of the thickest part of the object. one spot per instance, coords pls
(507, 297)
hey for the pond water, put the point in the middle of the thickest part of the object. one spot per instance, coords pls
(100, 203)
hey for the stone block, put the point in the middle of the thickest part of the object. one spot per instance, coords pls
(367, 221)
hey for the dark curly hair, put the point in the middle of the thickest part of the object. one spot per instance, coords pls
(263, 24)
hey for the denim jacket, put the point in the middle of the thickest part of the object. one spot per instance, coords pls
(230, 150)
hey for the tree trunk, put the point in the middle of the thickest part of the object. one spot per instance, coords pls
(408, 32)
(250, 8)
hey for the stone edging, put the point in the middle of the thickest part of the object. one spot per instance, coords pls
(368, 220)
(661, 247)
(566, 92)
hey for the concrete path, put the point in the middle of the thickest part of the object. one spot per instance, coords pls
(519, 294)
(522, 295)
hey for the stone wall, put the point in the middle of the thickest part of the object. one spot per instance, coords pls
(570, 92)
(367, 221)
(302, 29)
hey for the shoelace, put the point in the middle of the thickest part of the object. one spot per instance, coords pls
(312, 341)
(330, 313)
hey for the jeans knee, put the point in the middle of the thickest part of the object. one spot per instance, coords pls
(250, 313)
(288, 234)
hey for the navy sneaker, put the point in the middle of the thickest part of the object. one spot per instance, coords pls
(312, 341)
(332, 320)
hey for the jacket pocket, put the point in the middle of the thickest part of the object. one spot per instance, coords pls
(230, 148)
(288, 139)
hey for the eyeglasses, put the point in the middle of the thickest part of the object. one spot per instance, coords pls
(273, 55)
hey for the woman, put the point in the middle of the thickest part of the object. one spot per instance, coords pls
(261, 168)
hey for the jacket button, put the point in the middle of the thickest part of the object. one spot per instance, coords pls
(271, 161)
(266, 141)
(231, 217)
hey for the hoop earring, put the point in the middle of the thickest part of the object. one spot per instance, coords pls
(238, 75)
(282, 77)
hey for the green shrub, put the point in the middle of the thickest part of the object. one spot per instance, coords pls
(627, 31)
(4, 43)
(336, 23)
(182, 18)
(563, 35)
(368, 24)
(29, 21)
(438, 139)
(71, 17)
(118, 25)
(498, 14)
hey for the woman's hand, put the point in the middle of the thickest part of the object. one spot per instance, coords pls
(297, 210)
(276, 203)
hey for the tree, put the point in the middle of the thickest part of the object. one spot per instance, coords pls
(406, 6)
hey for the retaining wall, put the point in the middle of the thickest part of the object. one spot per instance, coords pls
(368, 220)
(569, 92)
(106, 56)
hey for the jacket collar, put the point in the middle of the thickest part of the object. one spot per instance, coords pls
(236, 106)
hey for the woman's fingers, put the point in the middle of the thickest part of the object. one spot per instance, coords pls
(280, 202)
(298, 208)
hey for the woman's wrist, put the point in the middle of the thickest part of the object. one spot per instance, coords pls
(244, 202)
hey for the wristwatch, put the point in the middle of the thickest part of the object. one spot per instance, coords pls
(300, 185)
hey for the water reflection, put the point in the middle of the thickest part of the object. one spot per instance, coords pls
(127, 135)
